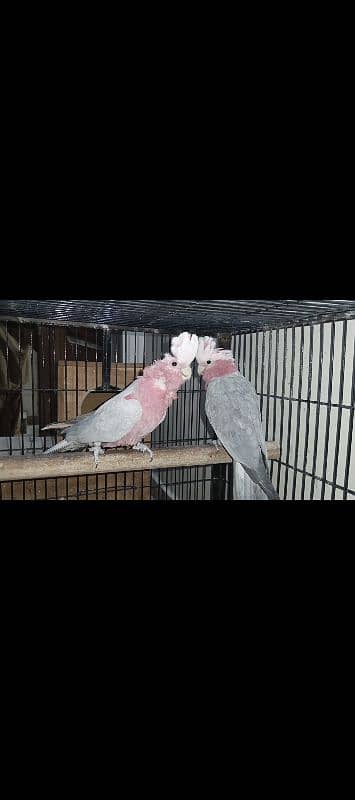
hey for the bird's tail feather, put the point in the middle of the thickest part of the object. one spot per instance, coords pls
(61, 446)
(262, 479)
(250, 484)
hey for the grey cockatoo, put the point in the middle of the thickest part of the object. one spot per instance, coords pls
(232, 409)
(128, 417)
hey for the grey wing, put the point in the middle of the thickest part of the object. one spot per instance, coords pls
(108, 423)
(233, 409)
(206, 425)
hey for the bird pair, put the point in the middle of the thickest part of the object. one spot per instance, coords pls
(231, 407)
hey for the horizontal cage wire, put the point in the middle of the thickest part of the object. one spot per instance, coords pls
(171, 316)
(58, 357)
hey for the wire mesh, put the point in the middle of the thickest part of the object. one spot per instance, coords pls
(304, 377)
(197, 316)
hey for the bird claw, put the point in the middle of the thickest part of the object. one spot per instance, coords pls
(97, 451)
(142, 448)
(216, 444)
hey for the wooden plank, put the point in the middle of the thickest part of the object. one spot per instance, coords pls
(72, 464)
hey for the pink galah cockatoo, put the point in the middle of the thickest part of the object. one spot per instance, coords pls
(127, 418)
(232, 408)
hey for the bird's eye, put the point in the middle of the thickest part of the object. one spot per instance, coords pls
(174, 364)
(208, 362)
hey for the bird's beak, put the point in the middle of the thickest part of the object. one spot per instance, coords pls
(200, 369)
(186, 372)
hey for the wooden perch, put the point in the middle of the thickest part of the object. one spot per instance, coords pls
(20, 468)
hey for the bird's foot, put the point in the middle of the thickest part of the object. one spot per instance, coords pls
(97, 451)
(216, 443)
(142, 448)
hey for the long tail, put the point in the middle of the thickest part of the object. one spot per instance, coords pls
(248, 483)
(64, 446)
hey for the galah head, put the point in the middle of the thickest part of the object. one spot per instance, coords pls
(184, 349)
(208, 353)
(174, 369)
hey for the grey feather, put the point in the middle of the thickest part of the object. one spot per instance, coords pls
(232, 408)
(108, 423)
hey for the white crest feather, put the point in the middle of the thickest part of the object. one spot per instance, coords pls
(208, 351)
(184, 347)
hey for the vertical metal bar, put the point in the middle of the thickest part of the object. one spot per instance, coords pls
(86, 359)
(250, 353)
(199, 415)
(230, 481)
(8, 384)
(268, 386)
(290, 412)
(33, 393)
(66, 377)
(77, 395)
(256, 360)
(350, 434)
(218, 487)
(115, 358)
(76, 374)
(177, 417)
(98, 383)
(160, 426)
(125, 358)
(320, 370)
(262, 374)
(41, 403)
(192, 395)
(167, 484)
(309, 390)
(329, 408)
(204, 483)
(21, 388)
(275, 393)
(135, 356)
(299, 396)
(282, 403)
(55, 382)
(196, 483)
(340, 409)
(244, 351)
(184, 411)
(239, 346)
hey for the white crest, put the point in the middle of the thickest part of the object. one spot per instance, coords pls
(208, 351)
(184, 347)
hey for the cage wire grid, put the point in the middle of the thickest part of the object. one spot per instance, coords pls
(299, 355)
